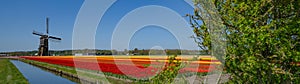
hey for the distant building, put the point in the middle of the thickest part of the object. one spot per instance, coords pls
(85, 54)
(3, 54)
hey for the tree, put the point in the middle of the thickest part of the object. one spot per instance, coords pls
(262, 37)
(135, 51)
(201, 34)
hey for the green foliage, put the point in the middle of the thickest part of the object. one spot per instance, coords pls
(169, 73)
(202, 35)
(263, 39)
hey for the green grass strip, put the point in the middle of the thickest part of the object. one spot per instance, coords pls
(9, 74)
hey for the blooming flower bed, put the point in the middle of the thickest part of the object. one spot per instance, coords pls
(134, 66)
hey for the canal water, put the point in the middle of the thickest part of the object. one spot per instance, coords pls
(35, 75)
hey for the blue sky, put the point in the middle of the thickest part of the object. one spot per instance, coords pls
(18, 18)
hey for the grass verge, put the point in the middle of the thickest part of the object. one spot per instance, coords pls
(9, 74)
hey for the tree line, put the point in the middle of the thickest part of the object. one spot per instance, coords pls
(135, 51)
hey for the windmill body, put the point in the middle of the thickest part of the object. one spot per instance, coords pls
(43, 47)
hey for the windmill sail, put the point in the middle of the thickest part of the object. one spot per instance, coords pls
(37, 33)
(56, 38)
(47, 26)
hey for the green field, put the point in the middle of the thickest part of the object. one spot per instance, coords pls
(9, 74)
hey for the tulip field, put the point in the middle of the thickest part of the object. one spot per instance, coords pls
(134, 66)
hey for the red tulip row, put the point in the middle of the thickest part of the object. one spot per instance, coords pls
(139, 68)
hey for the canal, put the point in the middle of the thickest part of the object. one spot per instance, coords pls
(35, 75)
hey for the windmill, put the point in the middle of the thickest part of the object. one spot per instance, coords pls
(43, 47)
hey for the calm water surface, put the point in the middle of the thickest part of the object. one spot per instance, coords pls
(38, 76)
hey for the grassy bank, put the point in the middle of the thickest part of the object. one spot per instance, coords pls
(9, 74)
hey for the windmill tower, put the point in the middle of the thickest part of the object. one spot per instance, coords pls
(43, 47)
